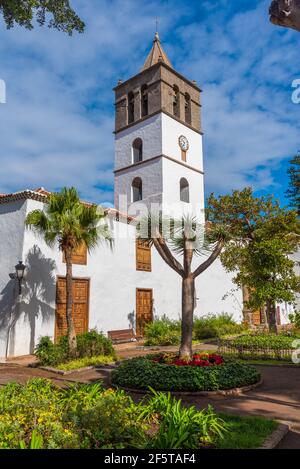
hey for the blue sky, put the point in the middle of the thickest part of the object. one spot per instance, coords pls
(56, 128)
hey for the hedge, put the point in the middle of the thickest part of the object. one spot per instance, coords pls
(143, 372)
(261, 341)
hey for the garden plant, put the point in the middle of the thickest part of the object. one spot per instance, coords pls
(92, 348)
(69, 223)
(169, 372)
(39, 415)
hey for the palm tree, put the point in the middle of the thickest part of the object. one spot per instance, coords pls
(70, 223)
(188, 239)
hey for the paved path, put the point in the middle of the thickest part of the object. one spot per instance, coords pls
(278, 397)
(21, 374)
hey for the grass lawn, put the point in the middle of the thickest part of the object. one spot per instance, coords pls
(245, 432)
(86, 361)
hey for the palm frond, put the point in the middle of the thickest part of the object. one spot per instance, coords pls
(66, 220)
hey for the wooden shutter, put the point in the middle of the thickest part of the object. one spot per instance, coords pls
(79, 255)
(143, 256)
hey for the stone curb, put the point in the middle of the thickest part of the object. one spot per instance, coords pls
(78, 370)
(225, 392)
(277, 436)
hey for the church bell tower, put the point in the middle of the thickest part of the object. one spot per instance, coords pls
(158, 139)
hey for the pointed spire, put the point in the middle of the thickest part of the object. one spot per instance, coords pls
(157, 54)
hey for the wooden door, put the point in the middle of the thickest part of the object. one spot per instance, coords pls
(144, 309)
(81, 289)
(256, 318)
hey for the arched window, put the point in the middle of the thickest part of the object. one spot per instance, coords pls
(130, 107)
(137, 189)
(188, 115)
(144, 100)
(137, 150)
(184, 191)
(176, 101)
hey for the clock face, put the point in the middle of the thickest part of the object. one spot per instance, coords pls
(183, 143)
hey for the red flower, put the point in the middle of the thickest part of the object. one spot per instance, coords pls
(199, 359)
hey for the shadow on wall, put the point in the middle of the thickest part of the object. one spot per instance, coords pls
(7, 306)
(131, 320)
(37, 300)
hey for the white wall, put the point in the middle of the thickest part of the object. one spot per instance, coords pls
(160, 135)
(171, 131)
(172, 173)
(211, 288)
(113, 282)
(150, 131)
(151, 175)
(12, 218)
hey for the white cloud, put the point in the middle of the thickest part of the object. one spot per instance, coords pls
(56, 128)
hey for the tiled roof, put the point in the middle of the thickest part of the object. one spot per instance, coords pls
(42, 191)
(22, 195)
(41, 195)
(118, 215)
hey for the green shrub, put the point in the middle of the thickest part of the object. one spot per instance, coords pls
(168, 332)
(89, 344)
(50, 354)
(40, 415)
(295, 319)
(213, 326)
(110, 423)
(261, 341)
(30, 411)
(86, 361)
(180, 427)
(143, 372)
(163, 332)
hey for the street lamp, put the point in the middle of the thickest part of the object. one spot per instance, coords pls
(19, 274)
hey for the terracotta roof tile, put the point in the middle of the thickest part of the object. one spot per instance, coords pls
(40, 194)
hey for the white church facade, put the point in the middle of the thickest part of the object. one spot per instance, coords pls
(158, 162)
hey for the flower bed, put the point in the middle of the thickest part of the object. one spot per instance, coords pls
(199, 359)
(164, 374)
(86, 362)
(40, 415)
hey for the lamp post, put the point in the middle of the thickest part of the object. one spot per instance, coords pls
(19, 274)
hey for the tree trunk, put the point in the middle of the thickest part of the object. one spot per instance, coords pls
(286, 13)
(188, 292)
(247, 312)
(271, 317)
(69, 287)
